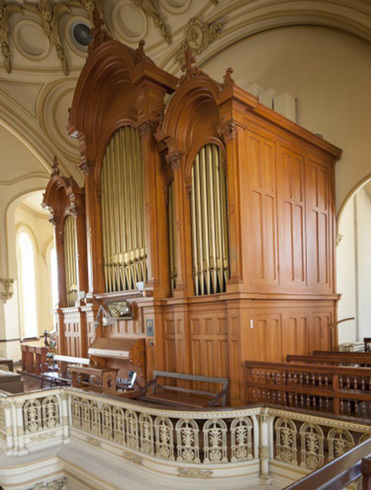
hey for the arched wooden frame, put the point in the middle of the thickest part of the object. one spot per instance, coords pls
(63, 197)
(119, 87)
(191, 121)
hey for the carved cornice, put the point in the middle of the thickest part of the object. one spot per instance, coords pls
(147, 128)
(86, 166)
(197, 37)
(228, 132)
(175, 159)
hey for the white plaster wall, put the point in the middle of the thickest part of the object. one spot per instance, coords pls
(364, 262)
(346, 276)
(42, 232)
(328, 71)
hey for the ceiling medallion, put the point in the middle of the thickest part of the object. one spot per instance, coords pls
(198, 36)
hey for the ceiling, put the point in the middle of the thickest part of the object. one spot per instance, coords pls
(41, 59)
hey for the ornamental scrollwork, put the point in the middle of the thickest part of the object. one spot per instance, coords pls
(197, 37)
(228, 132)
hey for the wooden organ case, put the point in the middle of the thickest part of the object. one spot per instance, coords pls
(65, 201)
(231, 229)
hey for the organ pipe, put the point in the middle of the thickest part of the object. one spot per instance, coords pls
(122, 206)
(172, 241)
(69, 244)
(210, 253)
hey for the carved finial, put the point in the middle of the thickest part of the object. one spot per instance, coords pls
(189, 60)
(98, 32)
(227, 79)
(55, 167)
(140, 54)
(190, 71)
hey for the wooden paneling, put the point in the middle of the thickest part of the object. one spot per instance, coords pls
(291, 209)
(169, 348)
(209, 343)
(318, 227)
(263, 233)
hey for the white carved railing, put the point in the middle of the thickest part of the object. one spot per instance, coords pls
(193, 443)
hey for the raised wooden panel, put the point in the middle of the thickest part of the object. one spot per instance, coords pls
(291, 197)
(318, 227)
(319, 335)
(209, 344)
(295, 333)
(169, 345)
(263, 232)
(263, 340)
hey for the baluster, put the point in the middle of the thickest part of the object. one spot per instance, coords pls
(290, 399)
(314, 401)
(254, 394)
(363, 407)
(341, 406)
(279, 398)
(348, 382)
(295, 378)
(301, 399)
(355, 383)
(284, 377)
(319, 379)
(341, 381)
(320, 401)
(326, 379)
(274, 397)
(289, 378)
(363, 384)
(278, 378)
(308, 400)
(269, 396)
(313, 379)
(349, 406)
(301, 378)
(307, 378)
(326, 402)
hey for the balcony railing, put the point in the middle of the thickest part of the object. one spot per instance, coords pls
(199, 443)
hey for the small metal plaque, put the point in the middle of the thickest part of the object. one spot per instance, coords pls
(150, 328)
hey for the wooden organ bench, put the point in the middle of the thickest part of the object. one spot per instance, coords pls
(115, 364)
(184, 397)
(57, 370)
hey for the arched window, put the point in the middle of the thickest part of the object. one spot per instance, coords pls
(54, 277)
(27, 285)
(209, 222)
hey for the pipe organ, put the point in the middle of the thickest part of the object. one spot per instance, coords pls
(122, 208)
(69, 242)
(222, 208)
(209, 222)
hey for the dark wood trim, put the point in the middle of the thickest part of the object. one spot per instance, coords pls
(337, 474)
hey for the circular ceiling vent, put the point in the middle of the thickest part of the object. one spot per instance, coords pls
(80, 33)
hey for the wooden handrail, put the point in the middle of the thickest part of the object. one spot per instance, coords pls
(333, 358)
(310, 368)
(340, 472)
